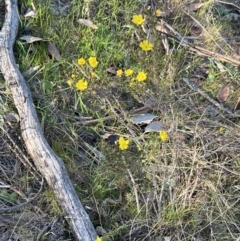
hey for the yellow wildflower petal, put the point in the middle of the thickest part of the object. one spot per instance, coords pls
(145, 45)
(93, 62)
(81, 61)
(93, 75)
(141, 76)
(163, 136)
(119, 72)
(81, 84)
(70, 82)
(73, 76)
(98, 239)
(222, 129)
(123, 143)
(158, 12)
(128, 72)
(138, 19)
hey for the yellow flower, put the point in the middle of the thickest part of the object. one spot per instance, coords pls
(138, 19)
(81, 84)
(81, 61)
(73, 76)
(123, 144)
(222, 129)
(119, 72)
(158, 12)
(93, 62)
(128, 72)
(141, 76)
(70, 82)
(93, 75)
(99, 239)
(163, 136)
(145, 45)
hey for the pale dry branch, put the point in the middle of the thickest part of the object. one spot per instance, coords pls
(135, 190)
(47, 162)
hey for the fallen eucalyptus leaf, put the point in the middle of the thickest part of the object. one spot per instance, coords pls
(52, 49)
(155, 126)
(111, 70)
(87, 23)
(193, 7)
(30, 39)
(223, 93)
(143, 118)
(237, 106)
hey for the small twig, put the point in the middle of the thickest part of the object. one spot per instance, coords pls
(214, 102)
(177, 36)
(135, 190)
(199, 50)
(227, 3)
(164, 32)
(208, 53)
(95, 121)
(41, 233)
(4, 185)
(11, 209)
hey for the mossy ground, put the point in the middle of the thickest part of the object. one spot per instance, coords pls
(184, 189)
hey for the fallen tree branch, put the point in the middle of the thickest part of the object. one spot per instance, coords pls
(47, 162)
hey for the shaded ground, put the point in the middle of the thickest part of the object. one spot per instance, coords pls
(18, 184)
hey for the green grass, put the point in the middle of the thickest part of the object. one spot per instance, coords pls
(186, 187)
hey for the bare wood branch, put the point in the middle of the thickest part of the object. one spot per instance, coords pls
(135, 190)
(47, 162)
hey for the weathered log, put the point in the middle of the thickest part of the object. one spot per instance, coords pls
(47, 162)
